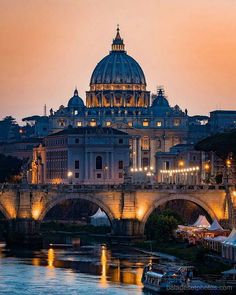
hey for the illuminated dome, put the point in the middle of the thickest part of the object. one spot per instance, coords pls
(118, 67)
(76, 101)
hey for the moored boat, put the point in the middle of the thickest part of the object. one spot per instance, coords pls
(157, 280)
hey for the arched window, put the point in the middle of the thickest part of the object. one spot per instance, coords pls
(98, 162)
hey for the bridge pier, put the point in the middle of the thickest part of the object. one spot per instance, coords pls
(23, 232)
(127, 228)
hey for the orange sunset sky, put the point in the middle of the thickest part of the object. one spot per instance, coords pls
(47, 47)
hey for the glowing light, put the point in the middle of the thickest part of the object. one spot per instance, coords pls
(56, 180)
(151, 168)
(103, 280)
(206, 166)
(140, 169)
(140, 213)
(69, 174)
(36, 210)
(51, 258)
(228, 162)
(36, 261)
(132, 169)
(186, 170)
(181, 163)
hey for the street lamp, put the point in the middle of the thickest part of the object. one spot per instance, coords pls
(207, 172)
(70, 174)
(207, 167)
(228, 163)
(181, 163)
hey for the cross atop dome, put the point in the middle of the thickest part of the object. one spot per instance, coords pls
(118, 44)
(76, 93)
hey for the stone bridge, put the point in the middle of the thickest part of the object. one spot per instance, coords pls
(128, 206)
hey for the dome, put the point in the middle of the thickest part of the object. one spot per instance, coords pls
(118, 67)
(160, 100)
(76, 101)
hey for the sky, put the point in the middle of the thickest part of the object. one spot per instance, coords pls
(47, 47)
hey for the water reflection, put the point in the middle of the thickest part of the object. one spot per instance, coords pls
(51, 257)
(117, 265)
(104, 266)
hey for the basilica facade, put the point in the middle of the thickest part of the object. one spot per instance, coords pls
(118, 98)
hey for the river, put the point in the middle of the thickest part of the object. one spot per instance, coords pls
(96, 269)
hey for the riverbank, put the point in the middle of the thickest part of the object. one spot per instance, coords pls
(205, 263)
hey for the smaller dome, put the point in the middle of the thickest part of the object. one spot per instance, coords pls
(76, 101)
(160, 100)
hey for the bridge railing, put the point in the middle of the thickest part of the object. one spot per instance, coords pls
(106, 187)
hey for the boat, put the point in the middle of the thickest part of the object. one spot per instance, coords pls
(229, 277)
(157, 280)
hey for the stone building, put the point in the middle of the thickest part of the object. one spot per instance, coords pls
(118, 98)
(82, 155)
(184, 165)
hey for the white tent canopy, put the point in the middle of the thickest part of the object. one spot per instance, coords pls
(201, 222)
(215, 226)
(100, 219)
(231, 240)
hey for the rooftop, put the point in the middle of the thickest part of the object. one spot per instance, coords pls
(89, 130)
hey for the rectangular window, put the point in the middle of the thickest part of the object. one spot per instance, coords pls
(145, 123)
(120, 164)
(77, 140)
(79, 124)
(120, 140)
(176, 122)
(108, 123)
(99, 175)
(77, 164)
(120, 175)
(166, 165)
(159, 123)
(93, 123)
(76, 175)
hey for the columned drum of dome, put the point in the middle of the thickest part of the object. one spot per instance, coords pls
(118, 80)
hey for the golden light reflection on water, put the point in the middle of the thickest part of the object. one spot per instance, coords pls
(124, 272)
(103, 280)
(51, 258)
(36, 261)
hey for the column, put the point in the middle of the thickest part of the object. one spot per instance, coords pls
(91, 166)
(139, 153)
(106, 171)
(86, 166)
(152, 153)
(134, 152)
(112, 168)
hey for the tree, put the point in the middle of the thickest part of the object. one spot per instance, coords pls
(161, 227)
(8, 128)
(10, 168)
(176, 215)
(222, 144)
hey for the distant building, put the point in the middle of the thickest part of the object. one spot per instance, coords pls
(83, 155)
(222, 120)
(118, 98)
(40, 123)
(184, 165)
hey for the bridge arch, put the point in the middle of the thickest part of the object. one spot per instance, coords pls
(186, 197)
(91, 198)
